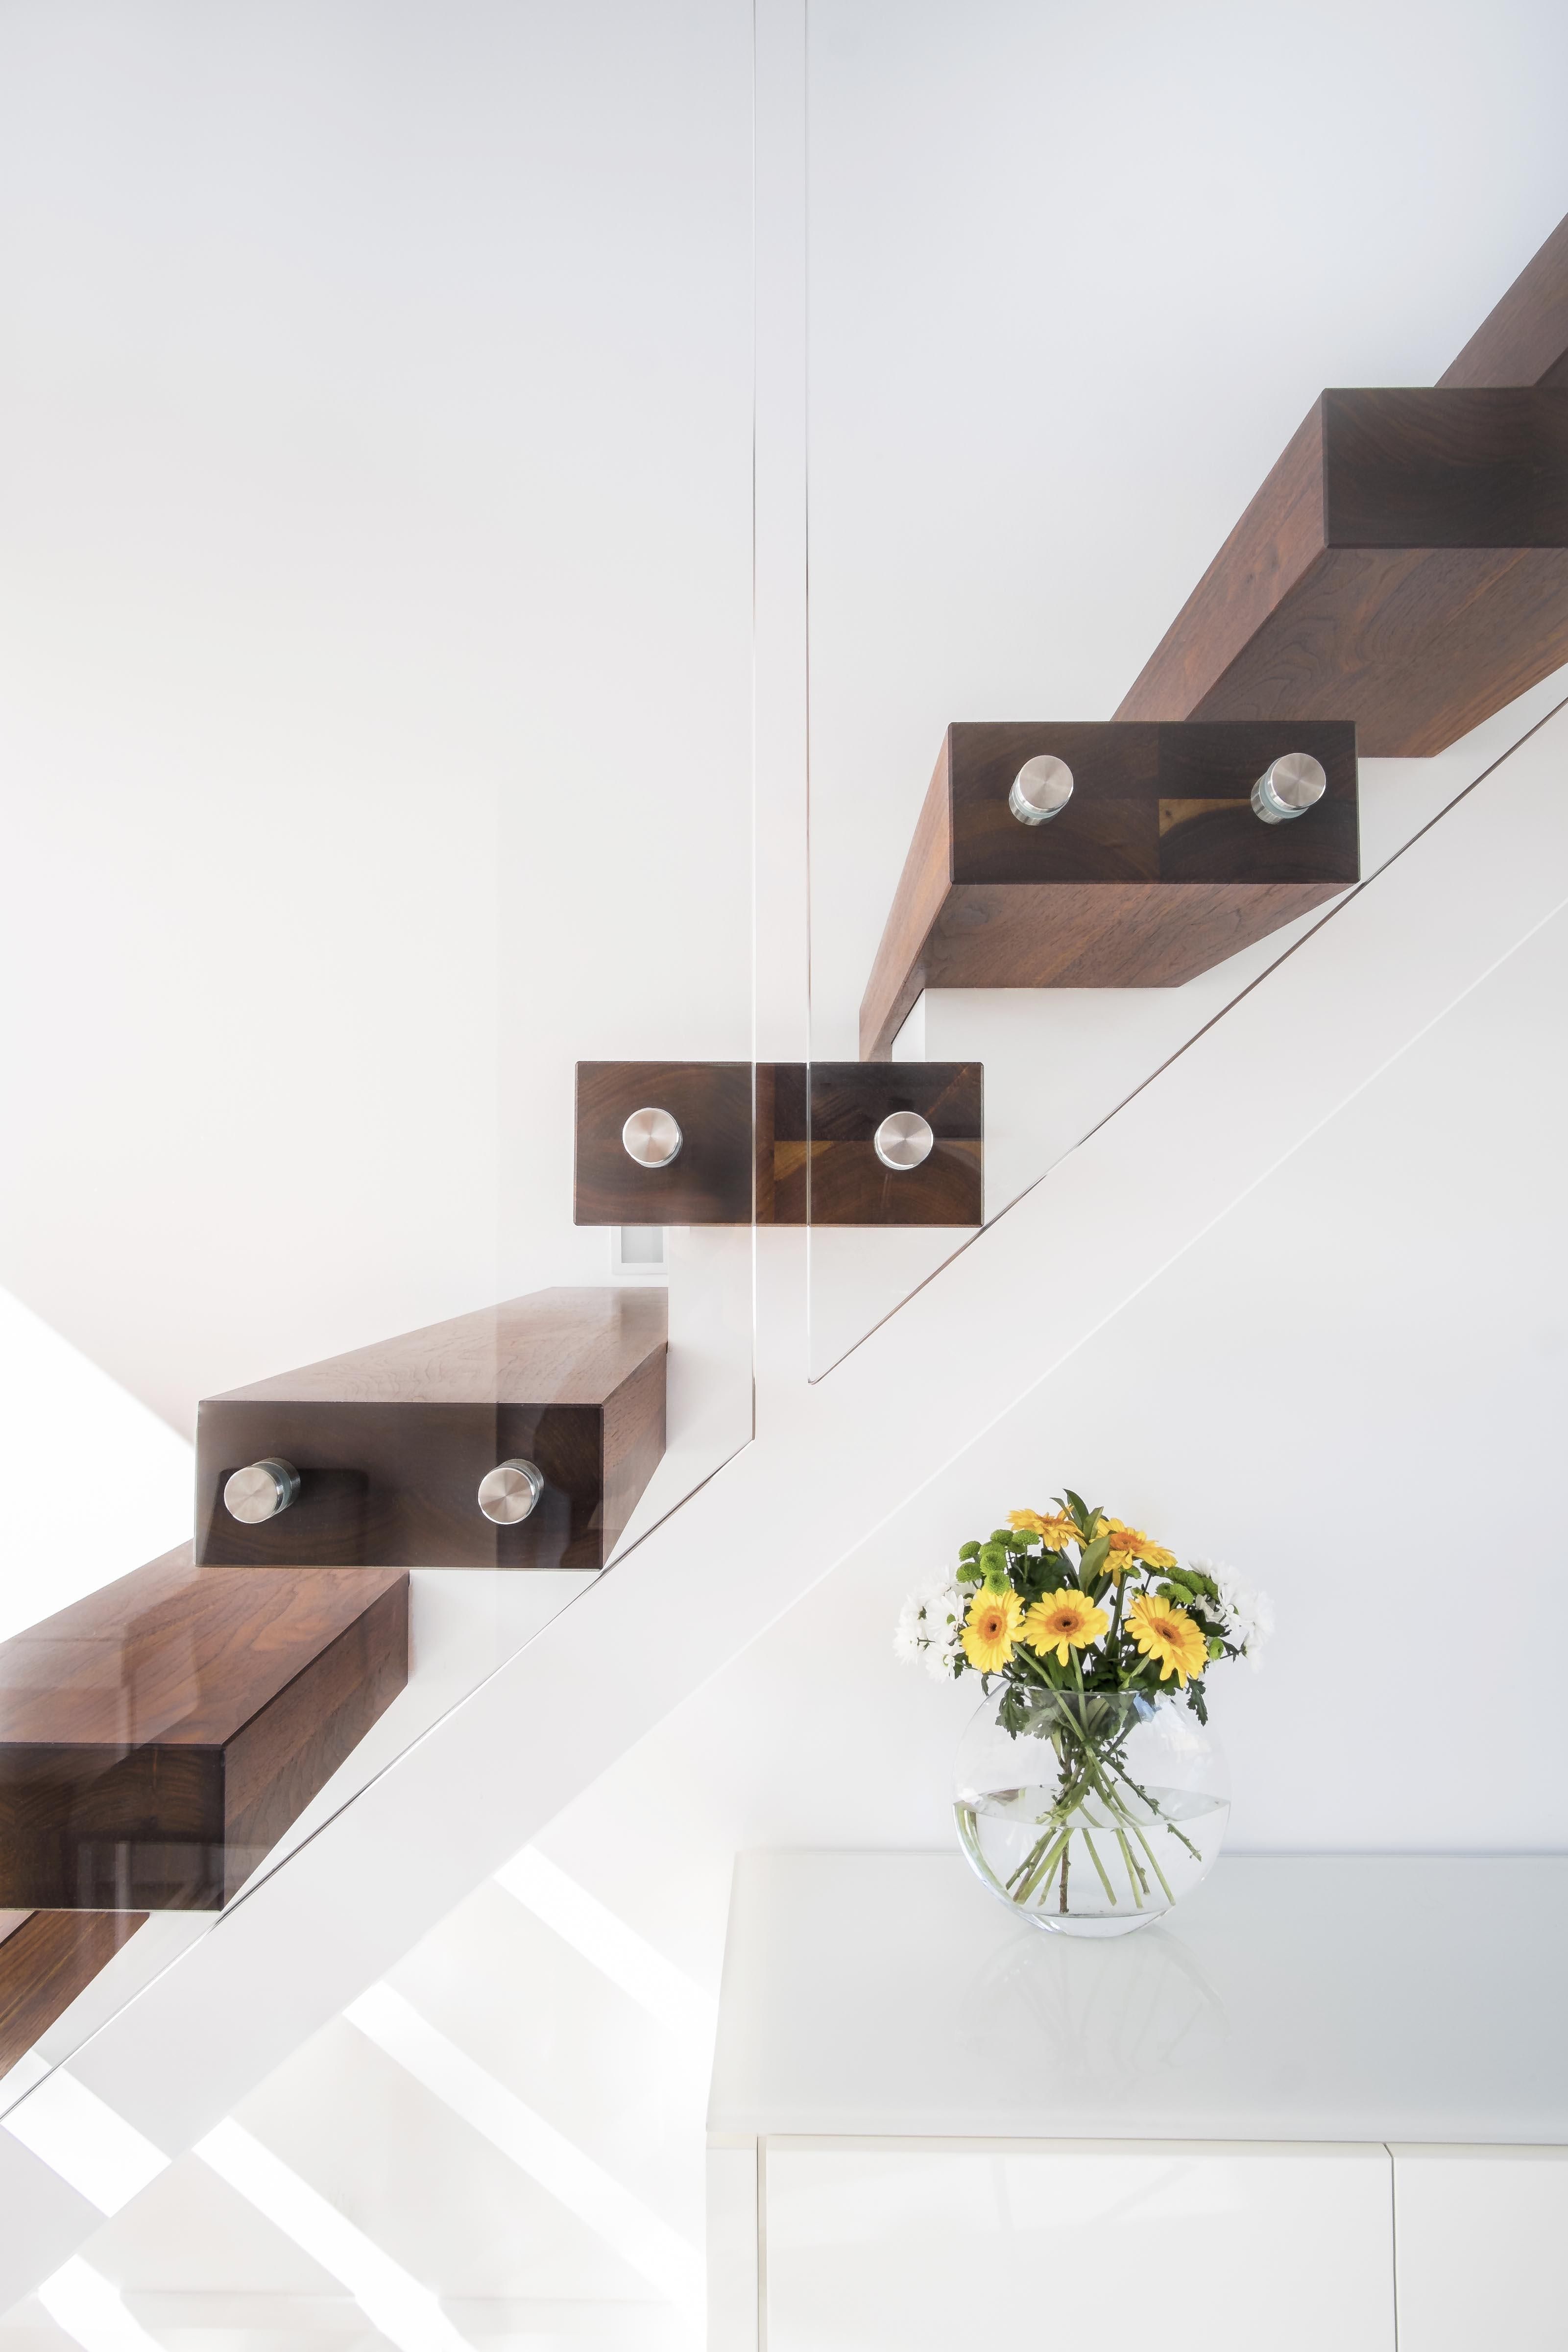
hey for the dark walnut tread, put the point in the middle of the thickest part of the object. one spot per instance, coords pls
(1404, 567)
(1156, 870)
(1525, 339)
(392, 1441)
(785, 1143)
(157, 1737)
(46, 1957)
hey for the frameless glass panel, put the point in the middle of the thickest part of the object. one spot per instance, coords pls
(1045, 380)
(376, 601)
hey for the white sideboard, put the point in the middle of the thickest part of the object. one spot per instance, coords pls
(1322, 2108)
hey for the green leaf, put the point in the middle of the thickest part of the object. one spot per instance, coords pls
(1075, 1504)
(1091, 1559)
(1012, 1714)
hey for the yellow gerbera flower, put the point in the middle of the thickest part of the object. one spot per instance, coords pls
(1062, 1621)
(990, 1629)
(1129, 1546)
(1053, 1527)
(1163, 1631)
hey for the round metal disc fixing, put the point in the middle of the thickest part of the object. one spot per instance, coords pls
(260, 1490)
(1289, 787)
(509, 1492)
(1041, 790)
(903, 1140)
(651, 1138)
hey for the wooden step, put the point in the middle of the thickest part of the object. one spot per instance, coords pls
(1154, 870)
(46, 1957)
(1405, 565)
(392, 1442)
(790, 1143)
(157, 1737)
(46, 1960)
(1525, 339)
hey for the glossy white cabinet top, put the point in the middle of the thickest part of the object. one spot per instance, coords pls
(1360, 1997)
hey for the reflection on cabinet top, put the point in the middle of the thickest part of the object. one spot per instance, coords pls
(564, 1347)
(1413, 1998)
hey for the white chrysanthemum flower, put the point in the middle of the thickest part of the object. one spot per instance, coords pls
(1248, 1614)
(927, 1632)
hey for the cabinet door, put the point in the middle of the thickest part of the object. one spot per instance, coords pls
(1481, 2234)
(937, 2246)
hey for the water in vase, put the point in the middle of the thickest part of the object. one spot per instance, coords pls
(1099, 1869)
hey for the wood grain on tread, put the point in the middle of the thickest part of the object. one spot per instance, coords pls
(805, 1153)
(918, 904)
(157, 1737)
(1157, 869)
(1405, 566)
(1524, 340)
(565, 1345)
(392, 1441)
(47, 1959)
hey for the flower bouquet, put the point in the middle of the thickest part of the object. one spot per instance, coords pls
(1090, 1793)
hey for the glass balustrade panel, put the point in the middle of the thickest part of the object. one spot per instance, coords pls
(377, 585)
(1025, 441)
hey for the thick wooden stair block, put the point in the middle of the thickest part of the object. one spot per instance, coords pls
(785, 1143)
(46, 1957)
(157, 1737)
(1157, 869)
(1405, 566)
(1525, 339)
(393, 1441)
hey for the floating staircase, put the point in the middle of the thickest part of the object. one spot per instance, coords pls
(1403, 574)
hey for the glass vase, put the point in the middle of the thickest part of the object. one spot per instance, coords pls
(1089, 1813)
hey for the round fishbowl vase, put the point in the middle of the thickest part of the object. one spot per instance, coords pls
(1089, 1812)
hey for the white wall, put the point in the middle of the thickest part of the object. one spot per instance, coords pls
(374, 646)
(94, 1482)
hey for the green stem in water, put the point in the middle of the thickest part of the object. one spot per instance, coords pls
(1041, 1873)
(1154, 1866)
(1154, 1807)
(1135, 1878)
(1109, 1890)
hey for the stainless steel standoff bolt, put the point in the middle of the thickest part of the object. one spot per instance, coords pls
(261, 1490)
(510, 1491)
(903, 1140)
(1289, 787)
(1041, 790)
(651, 1138)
